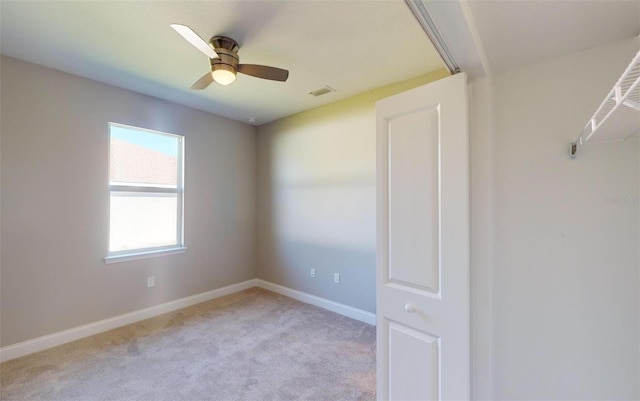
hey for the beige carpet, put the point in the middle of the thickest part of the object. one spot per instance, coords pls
(253, 345)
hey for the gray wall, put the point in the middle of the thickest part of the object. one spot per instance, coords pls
(565, 288)
(55, 203)
(317, 198)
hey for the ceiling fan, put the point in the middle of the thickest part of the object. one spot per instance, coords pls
(223, 57)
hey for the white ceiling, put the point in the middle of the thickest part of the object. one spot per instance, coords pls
(515, 33)
(352, 46)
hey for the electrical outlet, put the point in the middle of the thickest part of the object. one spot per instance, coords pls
(313, 272)
(336, 278)
(151, 281)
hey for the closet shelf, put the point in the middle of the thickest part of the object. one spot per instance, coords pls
(618, 117)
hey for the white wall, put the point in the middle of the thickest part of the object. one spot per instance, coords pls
(54, 167)
(482, 236)
(565, 288)
(317, 198)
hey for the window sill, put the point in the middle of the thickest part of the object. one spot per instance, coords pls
(144, 255)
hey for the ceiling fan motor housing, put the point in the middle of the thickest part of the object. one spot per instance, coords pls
(227, 50)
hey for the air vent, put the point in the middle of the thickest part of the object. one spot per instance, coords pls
(322, 91)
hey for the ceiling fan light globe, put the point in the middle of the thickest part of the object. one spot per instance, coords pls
(223, 77)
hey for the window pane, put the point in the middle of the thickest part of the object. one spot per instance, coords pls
(142, 220)
(143, 158)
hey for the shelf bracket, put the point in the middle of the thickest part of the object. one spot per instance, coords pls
(573, 148)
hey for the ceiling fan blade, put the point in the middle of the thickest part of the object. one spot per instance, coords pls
(195, 40)
(263, 71)
(203, 82)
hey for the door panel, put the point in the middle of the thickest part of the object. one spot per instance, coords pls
(423, 243)
(413, 351)
(413, 209)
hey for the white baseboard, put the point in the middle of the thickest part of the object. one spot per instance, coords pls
(76, 333)
(342, 309)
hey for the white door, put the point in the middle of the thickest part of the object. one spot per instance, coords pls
(423, 243)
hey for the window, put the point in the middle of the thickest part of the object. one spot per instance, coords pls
(145, 193)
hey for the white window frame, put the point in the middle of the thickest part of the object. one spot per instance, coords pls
(124, 188)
